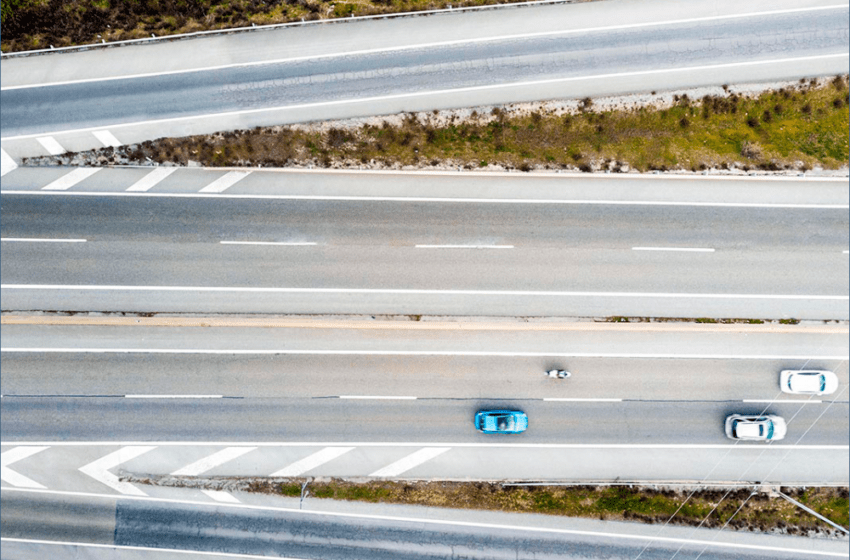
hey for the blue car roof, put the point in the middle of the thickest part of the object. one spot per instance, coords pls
(488, 421)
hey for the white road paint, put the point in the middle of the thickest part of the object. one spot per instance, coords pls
(464, 246)
(68, 180)
(364, 397)
(582, 400)
(845, 252)
(225, 181)
(159, 551)
(212, 461)
(107, 138)
(173, 396)
(685, 249)
(312, 461)
(455, 91)
(459, 200)
(36, 240)
(14, 455)
(781, 401)
(7, 164)
(220, 496)
(438, 44)
(495, 353)
(281, 243)
(99, 469)
(50, 144)
(440, 522)
(151, 179)
(413, 460)
(405, 291)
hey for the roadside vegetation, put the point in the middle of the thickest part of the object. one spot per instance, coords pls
(797, 127)
(38, 24)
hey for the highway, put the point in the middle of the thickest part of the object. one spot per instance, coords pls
(561, 55)
(625, 246)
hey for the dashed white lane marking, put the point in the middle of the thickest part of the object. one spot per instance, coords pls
(36, 240)
(554, 399)
(413, 460)
(281, 243)
(457, 200)
(50, 144)
(7, 164)
(220, 496)
(12, 456)
(464, 246)
(846, 252)
(151, 179)
(407, 291)
(312, 461)
(212, 461)
(781, 401)
(68, 180)
(99, 469)
(173, 396)
(107, 138)
(440, 44)
(684, 249)
(376, 397)
(225, 182)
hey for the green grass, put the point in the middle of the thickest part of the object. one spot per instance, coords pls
(794, 128)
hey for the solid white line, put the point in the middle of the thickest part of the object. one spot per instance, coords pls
(34, 240)
(225, 182)
(385, 444)
(212, 461)
(687, 249)
(68, 180)
(282, 243)
(437, 44)
(582, 400)
(220, 496)
(107, 138)
(312, 461)
(781, 401)
(455, 91)
(446, 199)
(7, 164)
(173, 396)
(362, 397)
(157, 549)
(151, 179)
(404, 291)
(50, 144)
(413, 460)
(464, 246)
(493, 527)
(310, 352)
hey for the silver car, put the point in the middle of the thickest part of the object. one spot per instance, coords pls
(755, 428)
(808, 382)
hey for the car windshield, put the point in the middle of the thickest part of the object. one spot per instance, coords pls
(769, 429)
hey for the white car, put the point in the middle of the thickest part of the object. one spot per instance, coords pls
(755, 428)
(808, 382)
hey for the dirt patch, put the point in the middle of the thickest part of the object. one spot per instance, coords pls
(790, 128)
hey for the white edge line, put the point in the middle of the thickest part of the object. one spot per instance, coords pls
(687, 249)
(582, 400)
(284, 243)
(128, 547)
(435, 199)
(173, 396)
(364, 397)
(455, 91)
(425, 521)
(782, 401)
(34, 240)
(464, 246)
(402, 48)
(789, 446)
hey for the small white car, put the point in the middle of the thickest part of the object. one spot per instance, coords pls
(808, 382)
(755, 428)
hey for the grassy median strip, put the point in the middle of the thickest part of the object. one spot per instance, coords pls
(38, 24)
(710, 508)
(797, 127)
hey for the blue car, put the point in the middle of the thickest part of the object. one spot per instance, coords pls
(501, 421)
